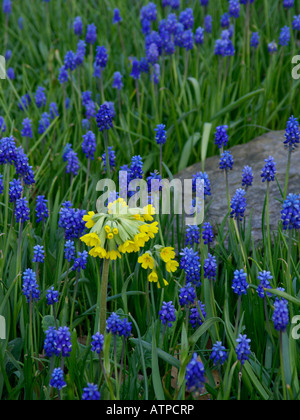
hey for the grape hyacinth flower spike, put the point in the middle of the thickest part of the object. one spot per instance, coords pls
(292, 140)
(161, 139)
(105, 123)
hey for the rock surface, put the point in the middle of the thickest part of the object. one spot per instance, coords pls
(252, 154)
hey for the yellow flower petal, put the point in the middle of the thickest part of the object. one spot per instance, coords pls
(88, 219)
(167, 254)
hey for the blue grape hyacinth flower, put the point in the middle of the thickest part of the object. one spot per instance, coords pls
(219, 354)
(290, 214)
(63, 342)
(52, 296)
(210, 268)
(39, 254)
(248, 177)
(1, 184)
(30, 287)
(91, 393)
(285, 36)
(221, 136)
(27, 129)
(104, 118)
(15, 190)
(78, 26)
(41, 209)
(198, 315)
(195, 375)
(243, 350)
(190, 263)
(22, 210)
(207, 233)
(167, 314)
(269, 171)
(97, 343)
(255, 39)
(57, 379)
(238, 205)
(119, 327)
(281, 316)
(161, 134)
(226, 161)
(89, 145)
(187, 295)
(264, 277)
(192, 235)
(117, 17)
(292, 134)
(80, 262)
(240, 284)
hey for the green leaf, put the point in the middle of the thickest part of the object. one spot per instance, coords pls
(156, 379)
(47, 322)
(187, 151)
(204, 327)
(196, 86)
(236, 104)
(205, 142)
(161, 354)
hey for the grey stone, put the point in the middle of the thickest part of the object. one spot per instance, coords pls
(252, 154)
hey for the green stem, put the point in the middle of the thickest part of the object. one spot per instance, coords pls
(282, 369)
(87, 177)
(289, 285)
(73, 303)
(161, 160)
(107, 154)
(104, 286)
(287, 175)
(31, 328)
(240, 384)
(107, 379)
(238, 314)
(269, 231)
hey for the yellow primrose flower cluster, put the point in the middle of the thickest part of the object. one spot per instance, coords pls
(119, 230)
(148, 261)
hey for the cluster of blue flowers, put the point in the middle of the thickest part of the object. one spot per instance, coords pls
(195, 375)
(58, 342)
(190, 263)
(118, 327)
(71, 221)
(167, 314)
(12, 155)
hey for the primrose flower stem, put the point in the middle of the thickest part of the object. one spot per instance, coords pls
(103, 299)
